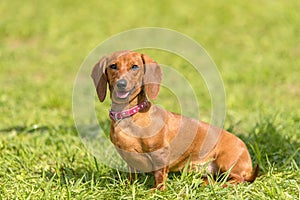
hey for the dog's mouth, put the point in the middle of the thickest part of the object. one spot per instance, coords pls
(124, 94)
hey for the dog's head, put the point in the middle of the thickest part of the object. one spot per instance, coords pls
(127, 73)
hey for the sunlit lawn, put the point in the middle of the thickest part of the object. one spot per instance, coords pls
(255, 46)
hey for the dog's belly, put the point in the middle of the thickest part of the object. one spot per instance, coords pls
(209, 167)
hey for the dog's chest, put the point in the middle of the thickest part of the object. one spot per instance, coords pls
(133, 138)
(139, 133)
(124, 140)
(132, 149)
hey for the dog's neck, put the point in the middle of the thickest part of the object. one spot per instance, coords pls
(118, 107)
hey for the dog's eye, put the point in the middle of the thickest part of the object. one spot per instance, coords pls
(135, 67)
(113, 66)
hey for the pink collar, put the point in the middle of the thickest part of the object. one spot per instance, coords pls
(115, 116)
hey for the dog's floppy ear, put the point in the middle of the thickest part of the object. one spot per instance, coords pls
(152, 77)
(100, 79)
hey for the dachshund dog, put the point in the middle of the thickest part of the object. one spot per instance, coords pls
(151, 139)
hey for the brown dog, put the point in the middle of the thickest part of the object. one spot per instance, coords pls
(151, 139)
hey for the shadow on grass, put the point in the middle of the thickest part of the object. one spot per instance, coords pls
(38, 128)
(86, 176)
(268, 146)
(24, 129)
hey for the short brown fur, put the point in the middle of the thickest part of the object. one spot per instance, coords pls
(154, 140)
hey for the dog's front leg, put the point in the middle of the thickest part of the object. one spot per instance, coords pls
(160, 163)
(132, 176)
(160, 178)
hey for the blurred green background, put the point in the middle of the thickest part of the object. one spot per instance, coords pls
(254, 44)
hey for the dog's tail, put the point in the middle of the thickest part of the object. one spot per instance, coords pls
(254, 174)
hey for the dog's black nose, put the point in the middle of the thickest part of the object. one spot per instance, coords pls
(121, 84)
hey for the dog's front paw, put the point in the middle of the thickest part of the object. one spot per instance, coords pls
(160, 187)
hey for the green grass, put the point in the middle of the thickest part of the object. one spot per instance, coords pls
(42, 45)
